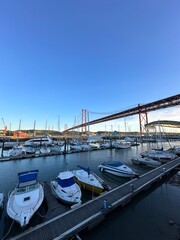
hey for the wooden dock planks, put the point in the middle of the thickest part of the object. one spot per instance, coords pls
(54, 207)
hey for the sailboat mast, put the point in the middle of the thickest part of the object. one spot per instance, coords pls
(88, 121)
(18, 131)
(34, 128)
(59, 124)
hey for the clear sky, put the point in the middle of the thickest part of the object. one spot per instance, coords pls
(58, 57)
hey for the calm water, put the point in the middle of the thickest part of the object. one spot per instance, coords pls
(146, 218)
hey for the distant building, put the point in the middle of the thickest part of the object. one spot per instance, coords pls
(19, 134)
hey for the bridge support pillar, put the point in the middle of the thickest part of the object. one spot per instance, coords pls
(83, 129)
(143, 120)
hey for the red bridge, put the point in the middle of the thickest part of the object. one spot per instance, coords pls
(141, 110)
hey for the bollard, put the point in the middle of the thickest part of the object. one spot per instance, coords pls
(132, 187)
(105, 204)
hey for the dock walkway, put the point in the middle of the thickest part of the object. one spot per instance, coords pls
(69, 223)
(54, 207)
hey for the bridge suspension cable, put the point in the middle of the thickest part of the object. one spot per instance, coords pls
(112, 112)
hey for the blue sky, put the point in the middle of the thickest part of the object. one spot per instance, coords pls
(59, 57)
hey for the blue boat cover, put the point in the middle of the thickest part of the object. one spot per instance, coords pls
(66, 182)
(113, 164)
(85, 169)
(28, 176)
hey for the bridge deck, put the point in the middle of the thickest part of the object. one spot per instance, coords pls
(68, 223)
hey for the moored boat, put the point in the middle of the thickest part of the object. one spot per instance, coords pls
(76, 147)
(28, 150)
(159, 155)
(45, 150)
(26, 197)
(149, 162)
(121, 144)
(56, 149)
(39, 141)
(66, 189)
(117, 168)
(94, 145)
(175, 150)
(15, 151)
(1, 200)
(88, 180)
(105, 144)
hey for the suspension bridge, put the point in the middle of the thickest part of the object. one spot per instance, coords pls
(141, 110)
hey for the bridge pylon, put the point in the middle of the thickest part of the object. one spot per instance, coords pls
(143, 120)
(83, 128)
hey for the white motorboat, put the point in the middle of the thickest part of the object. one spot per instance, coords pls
(66, 189)
(85, 146)
(26, 197)
(149, 162)
(56, 149)
(160, 155)
(117, 168)
(88, 180)
(28, 150)
(75, 147)
(1, 200)
(58, 143)
(45, 150)
(39, 141)
(105, 144)
(94, 145)
(15, 151)
(80, 147)
(175, 150)
(121, 144)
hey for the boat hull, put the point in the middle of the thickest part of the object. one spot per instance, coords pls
(64, 198)
(89, 187)
(116, 172)
(1, 200)
(146, 162)
(122, 146)
(21, 214)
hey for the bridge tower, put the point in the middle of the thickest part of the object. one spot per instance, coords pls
(143, 120)
(83, 129)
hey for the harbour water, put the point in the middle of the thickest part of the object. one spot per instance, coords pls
(154, 215)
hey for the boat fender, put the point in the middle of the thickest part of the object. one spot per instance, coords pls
(101, 169)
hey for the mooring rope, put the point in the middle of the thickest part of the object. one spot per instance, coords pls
(41, 215)
(8, 230)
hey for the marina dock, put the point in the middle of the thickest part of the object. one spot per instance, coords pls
(61, 223)
(37, 155)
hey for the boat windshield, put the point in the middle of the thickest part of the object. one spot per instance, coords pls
(66, 182)
(27, 183)
(115, 164)
(25, 189)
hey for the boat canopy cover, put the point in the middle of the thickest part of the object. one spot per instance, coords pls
(28, 176)
(113, 164)
(66, 182)
(85, 169)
